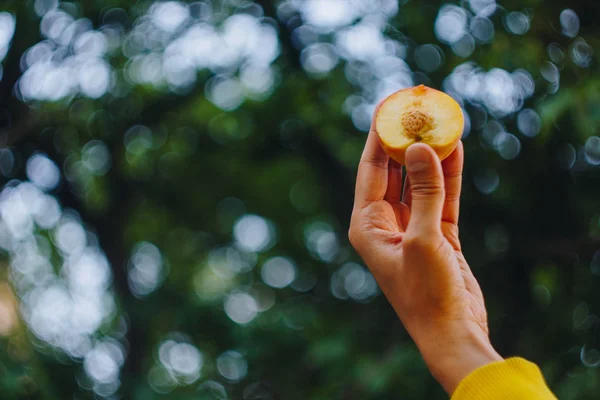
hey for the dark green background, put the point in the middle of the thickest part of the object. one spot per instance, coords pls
(290, 157)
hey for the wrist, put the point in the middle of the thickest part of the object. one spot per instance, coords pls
(452, 354)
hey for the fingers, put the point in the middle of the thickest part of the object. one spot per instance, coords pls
(427, 189)
(453, 167)
(406, 196)
(394, 185)
(372, 179)
(402, 215)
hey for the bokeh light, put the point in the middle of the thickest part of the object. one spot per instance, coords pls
(321, 241)
(500, 91)
(516, 23)
(63, 307)
(145, 147)
(590, 357)
(487, 181)
(451, 24)
(7, 30)
(43, 172)
(212, 390)
(569, 22)
(253, 233)
(241, 307)
(592, 150)
(529, 122)
(278, 272)
(232, 366)
(183, 360)
(353, 281)
(581, 53)
(146, 269)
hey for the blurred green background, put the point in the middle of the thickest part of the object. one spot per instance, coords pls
(177, 180)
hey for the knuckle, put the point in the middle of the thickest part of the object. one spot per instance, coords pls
(422, 243)
(454, 230)
(455, 243)
(453, 174)
(375, 162)
(427, 188)
(452, 197)
(353, 236)
(415, 243)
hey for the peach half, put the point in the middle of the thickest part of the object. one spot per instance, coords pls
(418, 115)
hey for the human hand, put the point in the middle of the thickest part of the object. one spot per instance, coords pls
(411, 246)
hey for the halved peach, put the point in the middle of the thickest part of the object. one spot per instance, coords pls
(419, 115)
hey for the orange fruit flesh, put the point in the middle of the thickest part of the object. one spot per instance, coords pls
(419, 115)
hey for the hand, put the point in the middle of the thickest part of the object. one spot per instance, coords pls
(412, 248)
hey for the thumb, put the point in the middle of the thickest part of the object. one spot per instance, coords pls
(427, 188)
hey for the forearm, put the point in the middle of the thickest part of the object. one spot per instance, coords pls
(462, 359)
(453, 352)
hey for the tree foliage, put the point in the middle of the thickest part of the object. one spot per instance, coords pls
(178, 176)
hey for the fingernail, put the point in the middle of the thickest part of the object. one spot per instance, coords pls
(416, 158)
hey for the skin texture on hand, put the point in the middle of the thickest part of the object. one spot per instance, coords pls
(412, 248)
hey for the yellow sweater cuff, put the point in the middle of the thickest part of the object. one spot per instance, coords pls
(513, 378)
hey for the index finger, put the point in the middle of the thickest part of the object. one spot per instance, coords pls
(453, 167)
(372, 177)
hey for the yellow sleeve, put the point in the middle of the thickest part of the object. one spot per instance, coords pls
(513, 378)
